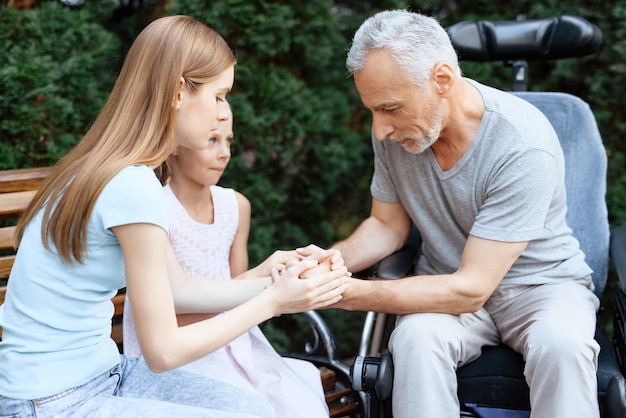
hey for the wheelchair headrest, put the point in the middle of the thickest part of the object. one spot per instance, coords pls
(543, 39)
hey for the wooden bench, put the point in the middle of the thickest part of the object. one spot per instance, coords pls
(17, 187)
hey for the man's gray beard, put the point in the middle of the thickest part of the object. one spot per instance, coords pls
(421, 144)
(417, 146)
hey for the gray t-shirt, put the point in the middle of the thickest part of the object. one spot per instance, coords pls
(508, 186)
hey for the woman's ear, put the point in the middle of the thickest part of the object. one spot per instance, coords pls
(180, 93)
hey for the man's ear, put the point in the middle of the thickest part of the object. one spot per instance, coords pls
(444, 76)
(180, 93)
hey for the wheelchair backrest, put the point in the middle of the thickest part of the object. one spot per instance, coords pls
(585, 175)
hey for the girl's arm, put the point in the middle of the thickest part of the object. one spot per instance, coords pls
(238, 258)
(279, 260)
(148, 258)
(239, 248)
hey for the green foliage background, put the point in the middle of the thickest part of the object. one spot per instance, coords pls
(302, 153)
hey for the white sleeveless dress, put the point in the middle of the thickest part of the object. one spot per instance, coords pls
(292, 386)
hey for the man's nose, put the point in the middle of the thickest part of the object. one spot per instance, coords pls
(381, 128)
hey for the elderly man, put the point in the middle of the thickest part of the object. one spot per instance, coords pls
(481, 174)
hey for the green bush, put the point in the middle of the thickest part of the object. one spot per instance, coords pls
(57, 68)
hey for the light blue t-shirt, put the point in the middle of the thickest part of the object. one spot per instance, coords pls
(508, 186)
(56, 318)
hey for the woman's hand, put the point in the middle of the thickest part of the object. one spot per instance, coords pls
(293, 294)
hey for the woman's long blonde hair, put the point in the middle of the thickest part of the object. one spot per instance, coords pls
(135, 126)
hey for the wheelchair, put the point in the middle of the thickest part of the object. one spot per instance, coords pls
(494, 384)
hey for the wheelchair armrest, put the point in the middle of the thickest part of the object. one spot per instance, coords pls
(618, 254)
(400, 263)
(541, 39)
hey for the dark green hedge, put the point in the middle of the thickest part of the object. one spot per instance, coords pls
(57, 66)
(302, 153)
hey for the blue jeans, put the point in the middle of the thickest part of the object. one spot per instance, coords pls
(132, 390)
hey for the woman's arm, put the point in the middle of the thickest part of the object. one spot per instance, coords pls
(197, 295)
(149, 259)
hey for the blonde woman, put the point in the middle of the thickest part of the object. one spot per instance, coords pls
(100, 222)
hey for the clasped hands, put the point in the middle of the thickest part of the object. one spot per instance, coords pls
(324, 273)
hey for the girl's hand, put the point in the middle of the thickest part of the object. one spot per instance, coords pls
(279, 260)
(294, 295)
(332, 259)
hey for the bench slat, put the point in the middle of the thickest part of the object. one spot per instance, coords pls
(14, 203)
(118, 303)
(6, 263)
(6, 237)
(328, 378)
(22, 179)
(342, 410)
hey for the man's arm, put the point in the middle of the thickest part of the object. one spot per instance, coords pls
(385, 231)
(483, 265)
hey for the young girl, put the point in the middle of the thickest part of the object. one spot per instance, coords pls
(209, 228)
(100, 223)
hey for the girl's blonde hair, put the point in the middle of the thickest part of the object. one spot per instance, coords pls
(135, 126)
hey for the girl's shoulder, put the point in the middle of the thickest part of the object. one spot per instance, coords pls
(242, 201)
(220, 192)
